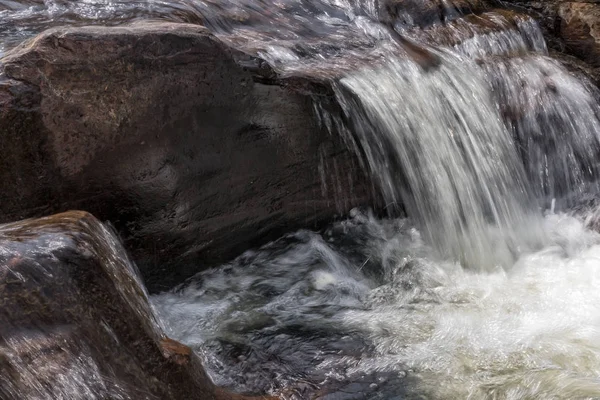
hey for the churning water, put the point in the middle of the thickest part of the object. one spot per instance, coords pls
(368, 311)
(474, 130)
(466, 122)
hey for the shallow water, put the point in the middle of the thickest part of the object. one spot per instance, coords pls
(366, 310)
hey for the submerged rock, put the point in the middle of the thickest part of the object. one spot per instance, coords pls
(75, 321)
(156, 128)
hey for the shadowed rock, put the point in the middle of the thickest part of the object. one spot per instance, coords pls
(75, 321)
(410, 13)
(580, 31)
(156, 128)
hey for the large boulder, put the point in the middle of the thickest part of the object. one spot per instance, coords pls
(75, 321)
(157, 128)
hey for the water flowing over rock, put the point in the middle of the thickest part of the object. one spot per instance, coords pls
(156, 128)
(554, 117)
(446, 155)
(201, 142)
(466, 200)
(75, 321)
(307, 46)
(473, 146)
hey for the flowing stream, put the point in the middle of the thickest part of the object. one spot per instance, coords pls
(367, 311)
(487, 289)
(480, 293)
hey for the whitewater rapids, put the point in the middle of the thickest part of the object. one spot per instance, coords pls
(367, 311)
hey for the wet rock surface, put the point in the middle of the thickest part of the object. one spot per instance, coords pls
(579, 30)
(157, 128)
(422, 13)
(196, 151)
(569, 27)
(75, 321)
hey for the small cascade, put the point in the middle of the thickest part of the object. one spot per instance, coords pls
(554, 117)
(467, 124)
(490, 33)
(464, 121)
(429, 109)
(436, 143)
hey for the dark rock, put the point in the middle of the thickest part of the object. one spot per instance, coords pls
(422, 13)
(580, 30)
(75, 321)
(156, 128)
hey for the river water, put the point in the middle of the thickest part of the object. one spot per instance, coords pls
(480, 293)
(366, 310)
(487, 289)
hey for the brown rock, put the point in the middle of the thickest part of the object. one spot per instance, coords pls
(156, 128)
(580, 30)
(75, 321)
(173, 350)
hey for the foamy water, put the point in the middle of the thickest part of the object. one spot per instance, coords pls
(470, 126)
(367, 308)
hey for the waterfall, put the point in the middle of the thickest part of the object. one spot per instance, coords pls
(468, 125)
(436, 143)
(553, 116)
(486, 288)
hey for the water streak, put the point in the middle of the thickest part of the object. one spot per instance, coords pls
(554, 117)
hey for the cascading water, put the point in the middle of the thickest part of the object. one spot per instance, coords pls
(554, 118)
(470, 125)
(472, 136)
(366, 311)
(462, 179)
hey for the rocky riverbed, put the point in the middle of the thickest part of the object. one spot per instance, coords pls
(199, 130)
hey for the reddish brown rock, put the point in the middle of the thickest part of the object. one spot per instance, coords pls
(175, 351)
(75, 321)
(156, 128)
(580, 30)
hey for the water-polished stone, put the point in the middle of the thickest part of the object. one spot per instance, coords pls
(158, 129)
(75, 322)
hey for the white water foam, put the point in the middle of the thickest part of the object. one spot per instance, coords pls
(369, 304)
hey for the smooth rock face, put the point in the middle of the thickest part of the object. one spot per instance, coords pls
(75, 322)
(156, 128)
